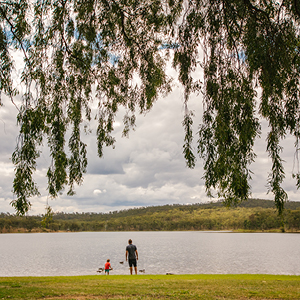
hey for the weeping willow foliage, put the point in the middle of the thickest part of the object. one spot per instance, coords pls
(115, 52)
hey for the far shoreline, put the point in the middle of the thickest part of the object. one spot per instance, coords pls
(23, 230)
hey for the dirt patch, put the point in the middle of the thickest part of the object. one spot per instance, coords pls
(86, 297)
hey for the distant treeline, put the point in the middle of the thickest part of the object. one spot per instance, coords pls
(252, 215)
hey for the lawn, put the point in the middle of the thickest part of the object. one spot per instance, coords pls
(151, 287)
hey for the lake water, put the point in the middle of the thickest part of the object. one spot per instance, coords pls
(190, 252)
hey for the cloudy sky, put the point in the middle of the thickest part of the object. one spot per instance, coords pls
(145, 169)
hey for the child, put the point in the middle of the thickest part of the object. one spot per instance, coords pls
(107, 267)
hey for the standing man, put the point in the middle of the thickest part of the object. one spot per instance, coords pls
(132, 255)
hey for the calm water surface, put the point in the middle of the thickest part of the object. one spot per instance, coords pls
(43, 254)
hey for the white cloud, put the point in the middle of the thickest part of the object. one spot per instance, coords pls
(98, 192)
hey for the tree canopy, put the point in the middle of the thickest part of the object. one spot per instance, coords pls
(116, 52)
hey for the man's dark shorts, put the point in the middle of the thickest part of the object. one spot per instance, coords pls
(132, 262)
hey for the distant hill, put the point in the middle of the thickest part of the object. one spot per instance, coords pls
(256, 203)
(251, 215)
(250, 203)
(269, 204)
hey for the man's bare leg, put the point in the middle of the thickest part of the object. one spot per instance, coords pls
(130, 270)
(135, 269)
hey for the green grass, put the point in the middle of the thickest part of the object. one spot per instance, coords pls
(151, 287)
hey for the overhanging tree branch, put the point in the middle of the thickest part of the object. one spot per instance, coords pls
(108, 44)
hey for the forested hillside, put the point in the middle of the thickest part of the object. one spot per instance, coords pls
(253, 215)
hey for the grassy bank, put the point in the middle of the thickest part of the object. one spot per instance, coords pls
(152, 287)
